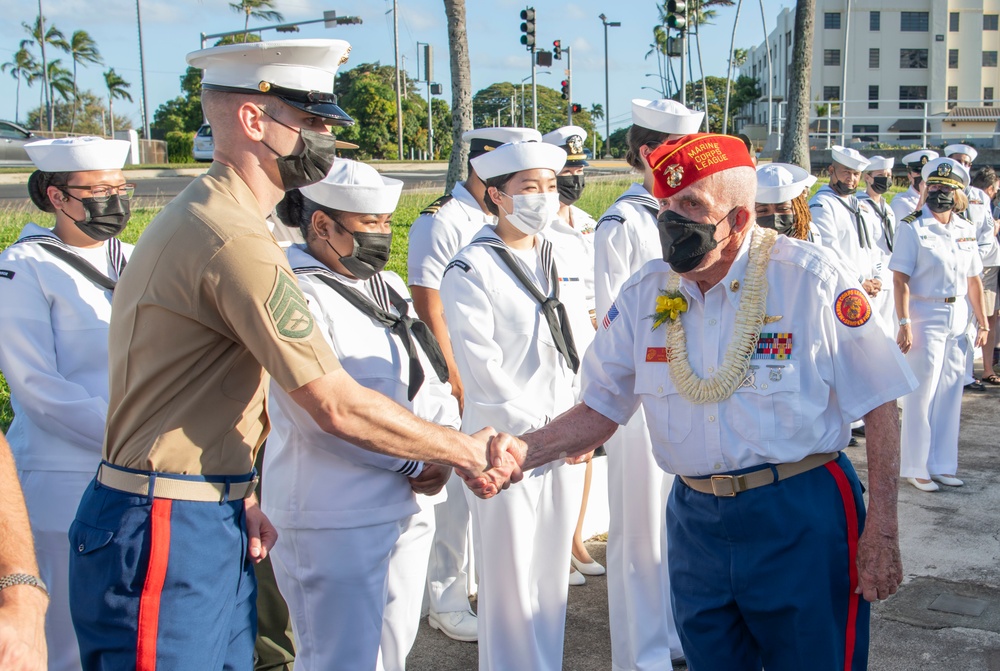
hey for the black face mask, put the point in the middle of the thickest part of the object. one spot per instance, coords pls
(570, 188)
(370, 253)
(782, 223)
(841, 188)
(311, 164)
(684, 242)
(880, 184)
(106, 219)
(940, 201)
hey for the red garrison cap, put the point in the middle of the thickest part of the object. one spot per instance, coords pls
(679, 164)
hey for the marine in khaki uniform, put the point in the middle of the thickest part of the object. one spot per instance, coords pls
(165, 539)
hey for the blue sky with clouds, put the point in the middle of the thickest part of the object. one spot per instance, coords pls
(171, 28)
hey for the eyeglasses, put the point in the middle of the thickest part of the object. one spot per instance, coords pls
(101, 192)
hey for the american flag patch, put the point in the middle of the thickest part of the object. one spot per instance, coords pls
(776, 346)
(610, 317)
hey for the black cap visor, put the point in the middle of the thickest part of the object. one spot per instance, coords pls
(316, 103)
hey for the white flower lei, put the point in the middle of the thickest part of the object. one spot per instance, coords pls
(749, 320)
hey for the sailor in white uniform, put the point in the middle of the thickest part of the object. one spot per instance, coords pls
(878, 178)
(936, 264)
(514, 345)
(55, 306)
(354, 543)
(904, 204)
(442, 229)
(781, 188)
(643, 635)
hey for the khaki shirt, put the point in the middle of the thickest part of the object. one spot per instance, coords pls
(207, 309)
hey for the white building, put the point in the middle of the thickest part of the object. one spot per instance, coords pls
(883, 59)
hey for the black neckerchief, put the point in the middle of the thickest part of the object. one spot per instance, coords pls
(883, 214)
(862, 230)
(61, 250)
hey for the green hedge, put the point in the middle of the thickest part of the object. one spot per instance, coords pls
(180, 145)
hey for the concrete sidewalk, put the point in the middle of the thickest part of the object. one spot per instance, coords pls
(950, 541)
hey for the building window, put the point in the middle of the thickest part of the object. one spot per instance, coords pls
(989, 59)
(914, 59)
(914, 22)
(912, 93)
(788, 40)
(831, 20)
(865, 133)
(953, 59)
(831, 57)
(952, 97)
(953, 22)
(831, 93)
(873, 97)
(875, 21)
(988, 96)
(990, 21)
(873, 59)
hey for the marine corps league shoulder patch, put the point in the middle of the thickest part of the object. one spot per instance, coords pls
(288, 309)
(852, 308)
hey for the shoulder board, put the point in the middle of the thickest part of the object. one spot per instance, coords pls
(610, 217)
(460, 264)
(910, 218)
(437, 204)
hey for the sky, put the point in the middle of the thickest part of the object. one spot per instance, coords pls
(172, 28)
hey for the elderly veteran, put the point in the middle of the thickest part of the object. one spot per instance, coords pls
(782, 199)
(751, 353)
(165, 539)
(936, 264)
(906, 203)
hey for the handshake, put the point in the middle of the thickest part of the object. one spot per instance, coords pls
(499, 463)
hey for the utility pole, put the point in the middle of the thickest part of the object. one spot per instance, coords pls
(607, 96)
(399, 98)
(142, 75)
(45, 68)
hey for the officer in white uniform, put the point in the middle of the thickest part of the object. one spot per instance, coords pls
(936, 264)
(767, 564)
(514, 345)
(55, 306)
(643, 635)
(779, 187)
(905, 204)
(442, 229)
(878, 179)
(354, 544)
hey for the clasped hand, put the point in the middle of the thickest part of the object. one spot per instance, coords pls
(503, 455)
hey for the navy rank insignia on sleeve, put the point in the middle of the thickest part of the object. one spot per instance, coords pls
(437, 204)
(7, 274)
(852, 308)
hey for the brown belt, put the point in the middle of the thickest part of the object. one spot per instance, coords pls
(165, 487)
(731, 485)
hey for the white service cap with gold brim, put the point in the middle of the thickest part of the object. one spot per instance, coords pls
(880, 163)
(945, 171)
(968, 150)
(916, 160)
(849, 158)
(78, 154)
(482, 140)
(298, 72)
(517, 156)
(666, 116)
(781, 182)
(352, 186)
(570, 139)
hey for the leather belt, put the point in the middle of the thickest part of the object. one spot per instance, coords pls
(949, 299)
(727, 486)
(167, 487)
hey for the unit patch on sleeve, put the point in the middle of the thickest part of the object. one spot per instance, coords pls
(610, 217)
(6, 274)
(852, 308)
(458, 263)
(776, 346)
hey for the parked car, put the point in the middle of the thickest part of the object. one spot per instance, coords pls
(204, 145)
(12, 140)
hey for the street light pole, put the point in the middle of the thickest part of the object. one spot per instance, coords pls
(142, 75)
(399, 99)
(607, 97)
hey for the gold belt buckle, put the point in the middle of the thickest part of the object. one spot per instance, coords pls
(720, 490)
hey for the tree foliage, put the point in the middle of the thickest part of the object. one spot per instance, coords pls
(502, 97)
(745, 90)
(91, 115)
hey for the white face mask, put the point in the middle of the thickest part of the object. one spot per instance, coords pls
(533, 211)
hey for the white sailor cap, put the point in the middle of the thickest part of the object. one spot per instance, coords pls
(666, 116)
(880, 163)
(781, 182)
(352, 186)
(299, 72)
(571, 140)
(517, 156)
(487, 139)
(945, 171)
(75, 154)
(953, 149)
(849, 158)
(915, 160)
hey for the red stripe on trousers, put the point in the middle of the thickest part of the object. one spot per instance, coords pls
(851, 515)
(156, 573)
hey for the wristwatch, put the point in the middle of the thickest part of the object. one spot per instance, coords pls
(904, 321)
(23, 579)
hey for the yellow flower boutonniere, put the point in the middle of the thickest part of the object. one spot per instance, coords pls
(669, 306)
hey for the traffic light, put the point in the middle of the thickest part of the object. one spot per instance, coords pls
(576, 108)
(565, 89)
(528, 27)
(676, 14)
(557, 50)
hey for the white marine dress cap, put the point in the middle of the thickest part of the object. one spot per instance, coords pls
(77, 154)
(666, 116)
(880, 163)
(969, 151)
(352, 186)
(517, 156)
(849, 158)
(781, 182)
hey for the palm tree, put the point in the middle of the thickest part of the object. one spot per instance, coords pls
(54, 37)
(22, 66)
(461, 90)
(83, 50)
(116, 89)
(258, 9)
(795, 143)
(60, 81)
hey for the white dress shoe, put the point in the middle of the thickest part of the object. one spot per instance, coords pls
(461, 625)
(923, 486)
(586, 568)
(949, 480)
(576, 578)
